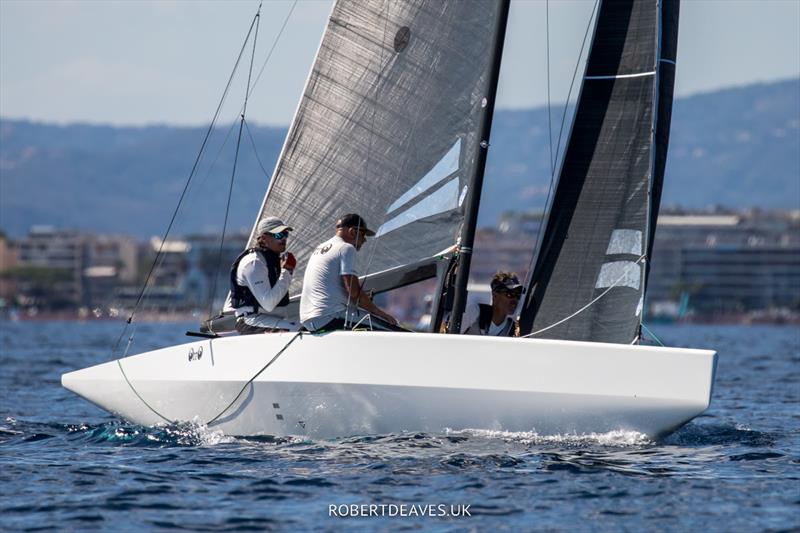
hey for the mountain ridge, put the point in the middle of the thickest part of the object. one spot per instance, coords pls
(738, 147)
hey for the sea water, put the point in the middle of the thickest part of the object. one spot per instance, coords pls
(66, 465)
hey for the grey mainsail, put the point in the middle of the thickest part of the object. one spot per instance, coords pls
(387, 127)
(589, 278)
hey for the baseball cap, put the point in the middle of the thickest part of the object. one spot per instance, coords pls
(271, 225)
(352, 220)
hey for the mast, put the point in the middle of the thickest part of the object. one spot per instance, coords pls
(476, 183)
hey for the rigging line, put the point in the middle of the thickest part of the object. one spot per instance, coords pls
(549, 114)
(272, 48)
(255, 150)
(124, 375)
(189, 179)
(253, 86)
(574, 75)
(219, 153)
(233, 171)
(365, 317)
(585, 307)
(210, 422)
(550, 190)
(647, 330)
(297, 335)
(158, 261)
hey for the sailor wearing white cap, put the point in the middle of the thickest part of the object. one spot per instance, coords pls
(260, 279)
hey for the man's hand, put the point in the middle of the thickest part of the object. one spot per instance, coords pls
(289, 262)
(388, 318)
(362, 299)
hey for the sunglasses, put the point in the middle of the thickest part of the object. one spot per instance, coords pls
(280, 236)
(511, 293)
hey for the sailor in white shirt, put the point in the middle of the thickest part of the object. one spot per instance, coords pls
(332, 294)
(496, 319)
(260, 279)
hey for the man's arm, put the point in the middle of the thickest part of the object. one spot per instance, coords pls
(353, 288)
(257, 278)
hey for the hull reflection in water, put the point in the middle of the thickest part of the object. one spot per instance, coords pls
(356, 383)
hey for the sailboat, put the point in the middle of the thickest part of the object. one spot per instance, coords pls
(394, 124)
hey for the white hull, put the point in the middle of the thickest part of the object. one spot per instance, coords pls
(356, 383)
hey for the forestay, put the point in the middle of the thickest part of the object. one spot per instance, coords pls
(387, 127)
(589, 278)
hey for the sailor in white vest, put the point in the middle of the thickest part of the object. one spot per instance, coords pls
(496, 319)
(260, 279)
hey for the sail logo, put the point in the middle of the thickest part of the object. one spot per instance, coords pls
(195, 354)
(446, 197)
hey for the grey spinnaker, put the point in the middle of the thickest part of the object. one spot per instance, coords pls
(588, 282)
(387, 128)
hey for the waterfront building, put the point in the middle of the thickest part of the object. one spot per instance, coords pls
(713, 262)
(110, 261)
(8, 261)
(208, 267)
(505, 248)
(723, 263)
(53, 260)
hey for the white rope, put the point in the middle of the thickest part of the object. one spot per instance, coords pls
(365, 317)
(585, 307)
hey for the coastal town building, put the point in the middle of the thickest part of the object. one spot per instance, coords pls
(110, 261)
(725, 263)
(8, 261)
(208, 273)
(66, 269)
(51, 262)
(705, 264)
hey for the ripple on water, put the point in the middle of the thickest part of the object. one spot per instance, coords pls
(711, 434)
(734, 467)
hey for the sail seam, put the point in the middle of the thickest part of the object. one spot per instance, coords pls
(638, 75)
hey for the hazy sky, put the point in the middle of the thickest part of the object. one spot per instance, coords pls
(167, 61)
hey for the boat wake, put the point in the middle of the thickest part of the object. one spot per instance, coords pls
(115, 433)
(617, 438)
(118, 433)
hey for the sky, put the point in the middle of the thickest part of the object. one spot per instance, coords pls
(167, 61)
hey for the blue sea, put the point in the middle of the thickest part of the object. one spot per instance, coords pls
(66, 465)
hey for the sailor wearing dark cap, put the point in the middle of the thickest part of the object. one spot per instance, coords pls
(332, 294)
(260, 279)
(496, 319)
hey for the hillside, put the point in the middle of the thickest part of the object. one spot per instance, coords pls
(739, 147)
